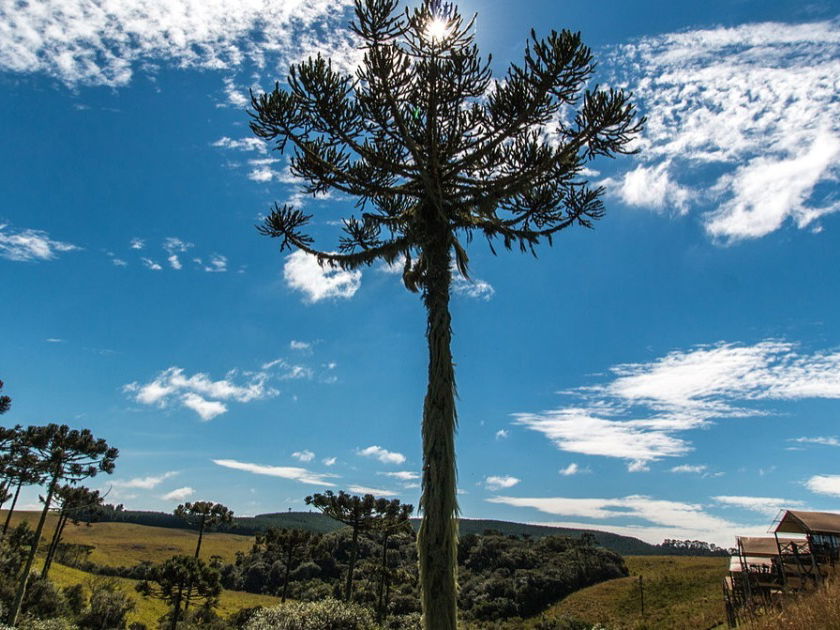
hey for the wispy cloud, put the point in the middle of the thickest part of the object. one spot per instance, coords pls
(101, 44)
(179, 494)
(502, 434)
(329, 461)
(497, 482)
(824, 441)
(174, 246)
(137, 243)
(636, 415)
(151, 264)
(661, 519)
(244, 144)
(768, 506)
(757, 103)
(402, 475)
(571, 469)
(689, 468)
(302, 273)
(824, 484)
(377, 492)
(304, 456)
(199, 392)
(30, 245)
(383, 455)
(145, 483)
(285, 472)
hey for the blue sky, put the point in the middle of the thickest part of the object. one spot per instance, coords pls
(674, 373)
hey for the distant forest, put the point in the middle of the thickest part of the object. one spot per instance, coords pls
(319, 523)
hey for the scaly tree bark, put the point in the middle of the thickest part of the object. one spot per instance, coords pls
(67, 454)
(435, 152)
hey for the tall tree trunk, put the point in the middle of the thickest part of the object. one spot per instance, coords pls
(380, 591)
(177, 611)
(24, 579)
(437, 540)
(288, 570)
(59, 530)
(197, 549)
(4, 488)
(354, 551)
(12, 508)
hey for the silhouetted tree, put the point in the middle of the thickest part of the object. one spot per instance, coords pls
(20, 467)
(390, 518)
(169, 582)
(354, 511)
(284, 542)
(66, 454)
(204, 515)
(5, 401)
(73, 502)
(435, 151)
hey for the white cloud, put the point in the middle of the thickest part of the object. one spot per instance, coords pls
(688, 468)
(174, 246)
(825, 441)
(304, 456)
(502, 434)
(748, 114)
(299, 345)
(377, 492)
(571, 469)
(402, 475)
(100, 43)
(329, 461)
(285, 472)
(137, 243)
(216, 264)
(151, 264)
(54, 340)
(664, 519)
(650, 187)
(199, 392)
(179, 494)
(30, 245)
(207, 409)
(244, 144)
(119, 262)
(767, 506)
(383, 455)
(289, 371)
(473, 288)
(146, 483)
(234, 96)
(495, 482)
(302, 272)
(824, 484)
(636, 415)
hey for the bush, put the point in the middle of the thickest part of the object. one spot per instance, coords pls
(109, 606)
(45, 624)
(329, 614)
(404, 622)
(43, 600)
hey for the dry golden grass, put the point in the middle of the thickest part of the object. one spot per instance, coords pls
(126, 544)
(818, 609)
(680, 593)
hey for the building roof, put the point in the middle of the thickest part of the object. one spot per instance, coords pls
(765, 547)
(797, 522)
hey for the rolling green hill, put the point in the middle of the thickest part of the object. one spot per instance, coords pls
(317, 522)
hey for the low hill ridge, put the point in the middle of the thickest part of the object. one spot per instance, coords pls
(317, 522)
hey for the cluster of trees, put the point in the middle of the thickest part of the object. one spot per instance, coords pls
(57, 458)
(674, 547)
(500, 576)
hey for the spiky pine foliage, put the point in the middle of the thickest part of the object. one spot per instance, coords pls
(435, 151)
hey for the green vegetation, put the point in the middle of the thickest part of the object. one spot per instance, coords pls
(679, 592)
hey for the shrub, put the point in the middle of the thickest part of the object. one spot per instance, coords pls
(43, 600)
(329, 614)
(109, 606)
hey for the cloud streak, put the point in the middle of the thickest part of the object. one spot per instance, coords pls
(293, 473)
(30, 245)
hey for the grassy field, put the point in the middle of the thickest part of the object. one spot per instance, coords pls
(125, 544)
(679, 592)
(148, 611)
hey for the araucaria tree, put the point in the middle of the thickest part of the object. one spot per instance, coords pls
(436, 151)
(64, 454)
(355, 512)
(204, 515)
(172, 580)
